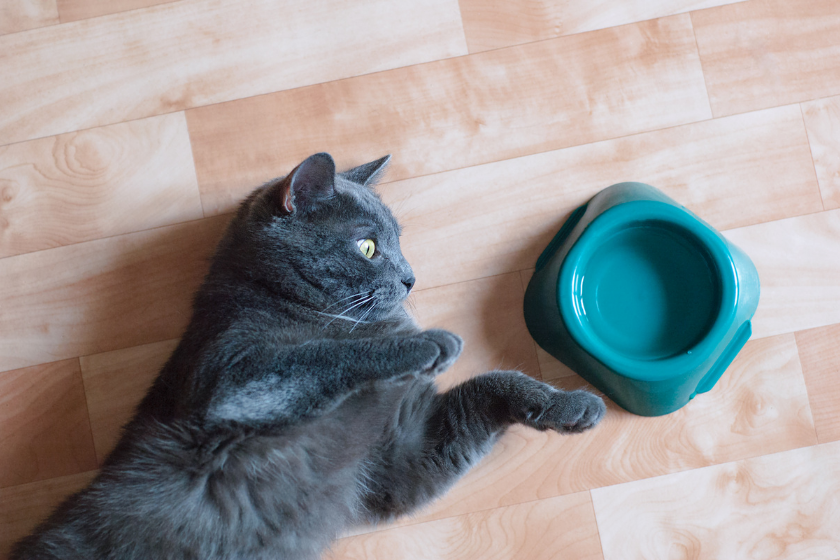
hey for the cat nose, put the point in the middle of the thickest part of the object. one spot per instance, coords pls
(408, 283)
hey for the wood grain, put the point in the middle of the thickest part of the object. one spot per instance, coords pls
(819, 350)
(822, 120)
(44, 429)
(497, 218)
(115, 383)
(74, 10)
(96, 183)
(195, 52)
(781, 506)
(798, 262)
(487, 314)
(765, 53)
(23, 507)
(759, 406)
(102, 295)
(492, 24)
(20, 15)
(561, 527)
(459, 112)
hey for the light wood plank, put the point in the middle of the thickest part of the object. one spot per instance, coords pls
(492, 24)
(781, 506)
(102, 295)
(498, 217)
(195, 52)
(115, 383)
(44, 429)
(97, 183)
(460, 112)
(822, 119)
(765, 53)
(798, 262)
(74, 10)
(23, 507)
(759, 406)
(561, 527)
(20, 15)
(487, 314)
(819, 350)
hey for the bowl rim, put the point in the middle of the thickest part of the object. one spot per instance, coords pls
(632, 215)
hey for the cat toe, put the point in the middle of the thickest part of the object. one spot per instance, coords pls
(575, 412)
(450, 346)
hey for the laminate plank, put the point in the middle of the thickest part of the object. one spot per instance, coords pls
(561, 527)
(74, 10)
(456, 113)
(781, 506)
(102, 295)
(822, 120)
(819, 351)
(115, 383)
(195, 52)
(497, 218)
(96, 183)
(487, 313)
(44, 429)
(765, 53)
(493, 24)
(20, 15)
(22, 508)
(759, 406)
(798, 262)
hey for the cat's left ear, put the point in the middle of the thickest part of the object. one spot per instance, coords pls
(366, 174)
(309, 183)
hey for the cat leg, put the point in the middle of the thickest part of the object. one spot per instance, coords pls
(314, 377)
(458, 427)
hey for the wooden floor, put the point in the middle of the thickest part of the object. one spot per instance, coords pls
(129, 129)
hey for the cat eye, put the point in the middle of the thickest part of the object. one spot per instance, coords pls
(367, 247)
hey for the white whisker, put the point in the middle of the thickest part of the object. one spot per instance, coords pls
(366, 313)
(356, 304)
(360, 294)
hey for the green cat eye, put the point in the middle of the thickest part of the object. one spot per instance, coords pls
(367, 247)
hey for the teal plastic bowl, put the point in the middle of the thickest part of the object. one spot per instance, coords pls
(642, 298)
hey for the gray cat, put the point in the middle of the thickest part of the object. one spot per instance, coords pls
(301, 399)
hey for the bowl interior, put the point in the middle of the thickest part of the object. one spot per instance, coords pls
(648, 291)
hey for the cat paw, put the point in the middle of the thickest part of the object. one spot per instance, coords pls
(449, 347)
(571, 412)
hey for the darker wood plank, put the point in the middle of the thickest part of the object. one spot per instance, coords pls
(819, 351)
(45, 431)
(460, 112)
(102, 295)
(766, 53)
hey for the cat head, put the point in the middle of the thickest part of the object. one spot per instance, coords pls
(322, 239)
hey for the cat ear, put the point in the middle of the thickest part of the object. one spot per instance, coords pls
(308, 183)
(367, 173)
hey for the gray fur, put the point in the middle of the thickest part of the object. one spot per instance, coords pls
(301, 399)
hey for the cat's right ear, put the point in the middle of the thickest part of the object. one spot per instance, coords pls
(309, 183)
(368, 173)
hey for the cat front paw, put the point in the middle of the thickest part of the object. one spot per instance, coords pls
(449, 347)
(572, 412)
